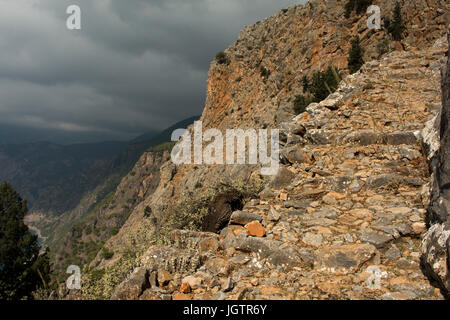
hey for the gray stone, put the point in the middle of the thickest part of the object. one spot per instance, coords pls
(312, 239)
(228, 285)
(349, 257)
(274, 215)
(384, 180)
(393, 253)
(269, 249)
(409, 154)
(307, 256)
(435, 260)
(294, 154)
(240, 259)
(356, 185)
(132, 288)
(323, 222)
(297, 204)
(294, 213)
(242, 217)
(363, 138)
(299, 130)
(404, 229)
(153, 279)
(219, 296)
(282, 178)
(341, 183)
(328, 212)
(319, 137)
(398, 138)
(378, 240)
(415, 182)
(403, 263)
(348, 238)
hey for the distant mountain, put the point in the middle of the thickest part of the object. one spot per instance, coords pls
(127, 158)
(54, 178)
(166, 134)
(14, 134)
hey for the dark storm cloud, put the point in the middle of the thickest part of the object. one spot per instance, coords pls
(135, 66)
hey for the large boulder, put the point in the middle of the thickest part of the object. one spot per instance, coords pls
(435, 258)
(133, 287)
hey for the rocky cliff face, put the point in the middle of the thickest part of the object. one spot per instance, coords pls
(436, 245)
(80, 240)
(350, 193)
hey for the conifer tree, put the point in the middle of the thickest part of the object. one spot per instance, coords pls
(355, 58)
(396, 26)
(22, 269)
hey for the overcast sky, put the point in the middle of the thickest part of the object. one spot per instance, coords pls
(135, 66)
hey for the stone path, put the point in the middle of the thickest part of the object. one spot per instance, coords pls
(345, 210)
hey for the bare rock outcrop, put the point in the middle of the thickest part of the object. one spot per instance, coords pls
(436, 244)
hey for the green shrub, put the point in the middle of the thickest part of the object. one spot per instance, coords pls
(300, 103)
(114, 231)
(355, 57)
(349, 8)
(107, 254)
(147, 212)
(318, 88)
(100, 284)
(222, 58)
(383, 47)
(396, 27)
(97, 274)
(264, 72)
(360, 6)
(165, 146)
(190, 212)
(87, 230)
(305, 83)
(198, 185)
(324, 83)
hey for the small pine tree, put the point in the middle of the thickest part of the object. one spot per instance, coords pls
(222, 58)
(383, 47)
(300, 103)
(324, 83)
(397, 27)
(355, 58)
(362, 5)
(305, 83)
(22, 269)
(349, 8)
(359, 5)
(318, 87)
(332, 79)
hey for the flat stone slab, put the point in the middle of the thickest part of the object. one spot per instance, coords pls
(376, 239)
(343, 258)
(242, 218)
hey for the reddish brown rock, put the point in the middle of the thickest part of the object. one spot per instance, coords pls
(164, 277)
(185, 288)
(255, 229)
